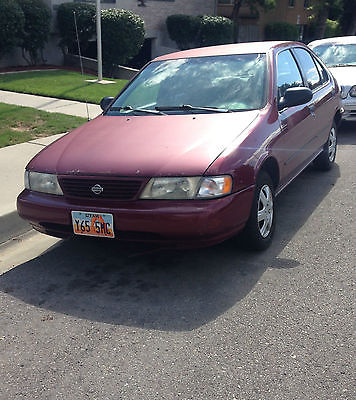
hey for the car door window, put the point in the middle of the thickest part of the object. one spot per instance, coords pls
(288, 74)
(322, 71)
(310, 70)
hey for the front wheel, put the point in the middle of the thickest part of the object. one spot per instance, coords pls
(326, 158)
(260, 225)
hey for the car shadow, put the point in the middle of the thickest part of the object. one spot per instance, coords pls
(170, 290)
(347, 133)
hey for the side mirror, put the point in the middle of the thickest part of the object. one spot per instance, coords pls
(295, 96)
(105, 102)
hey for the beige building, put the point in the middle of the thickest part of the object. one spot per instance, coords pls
(252, 25)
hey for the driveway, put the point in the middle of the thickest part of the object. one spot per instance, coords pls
(93, 319)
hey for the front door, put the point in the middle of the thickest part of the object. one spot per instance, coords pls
(296, 123)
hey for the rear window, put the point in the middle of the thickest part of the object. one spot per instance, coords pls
(336, 54)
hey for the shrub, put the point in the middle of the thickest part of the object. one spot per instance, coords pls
(189, 31)
(332, 28)
(215, 30)
(11, 25)
(36, 29)
(85, 14)
(183, 29)
(281, 31)
(123, 34)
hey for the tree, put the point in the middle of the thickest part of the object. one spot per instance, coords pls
(36, 29)
(348, 17)
(253, 5)
(11, 25)
(321, 10)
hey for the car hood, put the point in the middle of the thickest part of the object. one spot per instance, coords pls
(161, 145)
(345, 76)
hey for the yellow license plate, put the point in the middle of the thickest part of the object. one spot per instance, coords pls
(93, 224)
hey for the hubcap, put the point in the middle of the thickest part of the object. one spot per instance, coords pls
(332, 144)
(265, 211)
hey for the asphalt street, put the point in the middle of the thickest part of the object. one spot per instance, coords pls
(87, 319)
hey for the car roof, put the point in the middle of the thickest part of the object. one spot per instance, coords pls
(334, 40)
(228, 49)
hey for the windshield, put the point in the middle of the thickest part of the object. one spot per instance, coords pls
(233, 82)
(337, 54)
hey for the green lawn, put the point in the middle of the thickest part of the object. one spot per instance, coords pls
(21, 124)
(61, 84)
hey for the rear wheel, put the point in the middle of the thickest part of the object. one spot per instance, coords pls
(326, 158)
(260, 225)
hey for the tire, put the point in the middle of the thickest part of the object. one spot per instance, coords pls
(326, 158)
(259, 229)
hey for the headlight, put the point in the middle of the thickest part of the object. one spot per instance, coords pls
(187, 187)
(45, 183)
(171, 188)
(215, 186)
(353, 91)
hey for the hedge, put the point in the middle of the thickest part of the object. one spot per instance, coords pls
(85, 14)
(281, 31)
(11, 25)
(215, 30)
(36, 29)
(123, 35)
(183, 29)
(191, 31)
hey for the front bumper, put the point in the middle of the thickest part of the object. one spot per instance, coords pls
(349, 106)
(188, 223)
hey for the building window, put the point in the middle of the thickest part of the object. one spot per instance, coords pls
(306, 3)
(291, 3)
(226, 1)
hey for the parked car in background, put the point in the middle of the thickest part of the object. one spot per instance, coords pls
(193, 151)
(339, 54)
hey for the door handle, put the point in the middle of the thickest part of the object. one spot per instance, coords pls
(312, 109)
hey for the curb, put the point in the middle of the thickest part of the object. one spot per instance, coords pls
(12, 225)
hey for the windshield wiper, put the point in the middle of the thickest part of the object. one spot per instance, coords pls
(189, 107)
(143, 110)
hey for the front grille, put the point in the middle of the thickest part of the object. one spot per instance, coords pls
(114, 189)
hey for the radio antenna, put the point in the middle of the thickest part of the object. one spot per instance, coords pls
(81, 62)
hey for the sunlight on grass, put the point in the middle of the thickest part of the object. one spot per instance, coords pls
(61, 84)
(21, 124)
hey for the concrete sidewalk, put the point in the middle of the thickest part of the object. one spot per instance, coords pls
(50, 104)
(13, 159)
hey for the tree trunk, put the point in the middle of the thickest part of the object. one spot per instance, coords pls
(235, 18)
(351, 29)
(321, 21)
(28, 60)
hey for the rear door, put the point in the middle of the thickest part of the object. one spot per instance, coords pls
(321, 107)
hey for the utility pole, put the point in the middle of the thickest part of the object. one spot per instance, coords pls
(98, 40)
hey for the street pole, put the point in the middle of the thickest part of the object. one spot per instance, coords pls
(98, 40)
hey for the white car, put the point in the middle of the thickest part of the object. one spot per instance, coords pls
(339, 55)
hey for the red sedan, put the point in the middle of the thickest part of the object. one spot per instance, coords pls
(193, 151)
